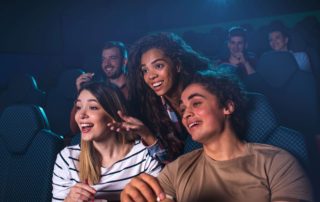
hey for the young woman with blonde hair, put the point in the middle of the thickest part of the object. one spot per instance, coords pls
(106, 160)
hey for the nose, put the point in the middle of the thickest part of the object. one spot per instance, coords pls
(107, 61)
(83, 114)
(152, 75)
(187, 114)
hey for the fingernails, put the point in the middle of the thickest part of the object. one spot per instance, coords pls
(111, 128)
(118, 130)
(161, 197)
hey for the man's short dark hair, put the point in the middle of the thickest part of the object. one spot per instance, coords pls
(117, 44)
(278, 28)
(237, 31)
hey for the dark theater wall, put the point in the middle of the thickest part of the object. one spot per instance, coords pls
(45, 37)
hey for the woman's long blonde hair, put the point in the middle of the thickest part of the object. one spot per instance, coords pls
(111, 99)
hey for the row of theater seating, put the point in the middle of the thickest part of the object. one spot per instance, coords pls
(28, 147)
(57, 103)
(303, 37)
(291, 92)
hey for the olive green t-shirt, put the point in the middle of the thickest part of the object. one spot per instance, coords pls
(265, 173)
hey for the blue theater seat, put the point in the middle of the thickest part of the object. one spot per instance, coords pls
(60, 101)
(291, 91)
(22, 89)
(27, 154)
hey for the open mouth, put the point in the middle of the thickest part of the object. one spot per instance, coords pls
(193, 124)
(85, 127)
(108, 68)
(157, 85)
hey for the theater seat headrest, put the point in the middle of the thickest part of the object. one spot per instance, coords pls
(19, 124)
(277, 67)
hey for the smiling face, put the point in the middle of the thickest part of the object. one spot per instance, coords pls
(202, 115)
(91, 118)
(112, 62)
(158, 71)
(278, 41)
(236, 45)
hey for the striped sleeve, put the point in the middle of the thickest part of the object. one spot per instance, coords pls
(158, 151)
(152, 165)
(61, 178)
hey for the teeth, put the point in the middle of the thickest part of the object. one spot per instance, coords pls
(193, 124)
(108, 68)
(86, 125)
(157, 84)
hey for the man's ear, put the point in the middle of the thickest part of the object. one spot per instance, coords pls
(286, 40)
(229, 108)
(178, 66)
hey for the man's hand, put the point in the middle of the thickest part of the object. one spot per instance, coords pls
(143, 188)
(83, 78)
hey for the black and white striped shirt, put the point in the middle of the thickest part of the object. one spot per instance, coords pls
(113, 179)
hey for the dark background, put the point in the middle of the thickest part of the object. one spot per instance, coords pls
(46, 37)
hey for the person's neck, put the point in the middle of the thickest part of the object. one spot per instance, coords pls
(225, 146)
(121, 83)
(173, 96)
(111, 150)
(284, 49)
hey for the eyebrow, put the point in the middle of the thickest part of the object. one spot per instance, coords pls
(192, 96)
(156, 60)
(89, 100)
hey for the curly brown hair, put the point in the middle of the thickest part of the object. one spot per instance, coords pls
(151, 110)
(226, 86)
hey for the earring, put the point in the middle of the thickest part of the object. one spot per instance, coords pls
(178, 69)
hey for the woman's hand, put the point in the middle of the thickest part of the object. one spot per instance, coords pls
(80, 192)
(131, 124)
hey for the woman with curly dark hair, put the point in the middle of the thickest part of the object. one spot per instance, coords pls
(160, 65)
